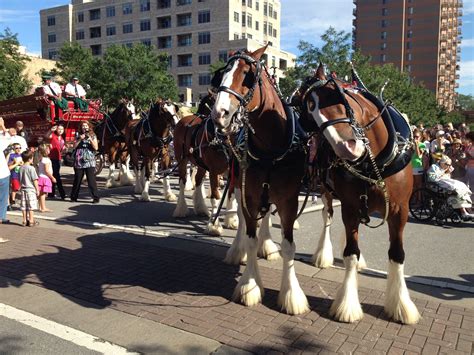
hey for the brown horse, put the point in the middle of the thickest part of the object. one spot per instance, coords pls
(110, 133)
(266, 155)
(359, 162)
(149, 138)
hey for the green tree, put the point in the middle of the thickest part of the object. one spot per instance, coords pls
(216, 66)
(74, 60)
(466, 102)
(13, 82)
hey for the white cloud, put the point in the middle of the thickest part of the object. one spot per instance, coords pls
(466, 74)
(467, 43)
(468, 7)
(11, 16)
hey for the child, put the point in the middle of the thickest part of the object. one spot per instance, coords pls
(29, 190)
(14, 164)
(46, 178)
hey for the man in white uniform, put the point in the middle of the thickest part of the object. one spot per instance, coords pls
(54, 92)
(76, 92)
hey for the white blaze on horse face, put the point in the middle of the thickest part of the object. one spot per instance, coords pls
(132, 110)
(346, 148)
(171, 109)
(222, 106)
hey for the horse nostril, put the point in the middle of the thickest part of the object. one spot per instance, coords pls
(226, 112)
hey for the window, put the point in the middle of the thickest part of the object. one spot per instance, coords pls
(185, 60)
(384, 12)
(270, 10)
(52, 54)
(144, 5)
(145, 25)
(185, 80)
(270, 29)
(96, 49)
(94, 14)
(182, 2)
(204, 16)
(184, 20)
(236, 36)
(127, 28)
(80, 35)
(95, 32)
(265, 27)
(80, 17)
(273, 61)
(249, 3)
(204, 58)
(383, 35)
(51, 37)
(384, 23)
(383, 58)
(274, 32)
(127, 8)
(184, 40)
(164, 4)
(409, 45)
(146, 42)
(164, 42)
(204, 79)
(223, 56)
(164, 22)
(409, 34)
(383, 45)
(249, 36)
(257, 5)
(257, 26)
(110, 30)
(244, 19)
(409, 56)
(51, 21)
(110, 11)
(249, 21)
(265, 8)
(170, 61)
(236, 16)
(409, 22)
(410, 10)
(204, 37)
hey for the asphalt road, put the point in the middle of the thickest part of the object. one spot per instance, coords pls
(440, 253)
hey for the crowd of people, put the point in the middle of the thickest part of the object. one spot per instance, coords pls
(444, 156)
(31, 175)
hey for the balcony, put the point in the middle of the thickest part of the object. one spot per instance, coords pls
(456, 85)
(460, 3)
(459, 13)
(457, 76)
(442, 60)
(354, 12)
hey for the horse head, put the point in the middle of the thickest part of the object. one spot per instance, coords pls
(168, 110)
(325, 109)
(236, 87)
(207, 103)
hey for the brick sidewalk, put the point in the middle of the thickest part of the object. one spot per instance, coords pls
(191, 292)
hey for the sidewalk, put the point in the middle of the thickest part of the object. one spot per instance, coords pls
(168, 295)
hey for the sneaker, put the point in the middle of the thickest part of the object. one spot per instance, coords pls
(96, 200)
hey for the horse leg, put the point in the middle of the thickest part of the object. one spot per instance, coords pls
(126, 178)
(249, 289)
(266, 247)
(236, 253)
(147, 169)
(346, 306)
(398, 304)
(189, 183)
(169, 195)
(291, 297)
(110, 178)
(323, 256)
(214, 228)
(231, 220)
(200, 207)
(181, 209)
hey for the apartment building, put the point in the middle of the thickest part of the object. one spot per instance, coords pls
(421, 37)
(194, 33)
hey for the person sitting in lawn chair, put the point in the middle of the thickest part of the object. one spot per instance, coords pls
(76, 92)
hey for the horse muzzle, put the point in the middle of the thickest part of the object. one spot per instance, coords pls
(350, 149)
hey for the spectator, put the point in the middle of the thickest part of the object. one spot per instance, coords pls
(46, 178)
(76, 92)
(85, 147)
(20, 130)
(440, 173)
(15, 138)
(53, 91)
(56, 138)
(439, 144)
(417, 160)
(427, 138)
(29, 190)
(469, 150)
(4, 175)
(14, 164)
(458, 157)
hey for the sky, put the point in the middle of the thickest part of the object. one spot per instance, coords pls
(301, 19)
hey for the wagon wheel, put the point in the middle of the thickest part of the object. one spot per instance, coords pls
(99, 163)
(423, 204)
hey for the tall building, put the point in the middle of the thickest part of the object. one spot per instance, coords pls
(421, 37)
(195, 33)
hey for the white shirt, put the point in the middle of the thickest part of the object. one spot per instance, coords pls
(20, 140)
(4, 143)
(56, 88)
(71, 90)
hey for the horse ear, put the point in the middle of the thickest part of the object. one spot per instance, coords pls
(259, 52)
(320, 72)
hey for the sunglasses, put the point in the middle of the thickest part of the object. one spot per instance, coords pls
(17, 148)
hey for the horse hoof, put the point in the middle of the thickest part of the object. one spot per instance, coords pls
(231, 223)
(293, 302)
(145, 198)
(171, 198)
(213, 229)
(177, 214)
(269, 250)
(296, 225)
(346, 311)
(361, 264)
(249, 294)
(322, 260)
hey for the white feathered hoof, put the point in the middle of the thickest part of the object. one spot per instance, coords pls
(362, 264)
(323, 258)
(235, 256)
(126, 179)
(231, 221)
(215, 229)
(293, 301)
(171, 197)
(249, 293)
(189, 185)
(346, 306)
(398, 304)
(111, 183)
(269, 250)
(145, 197)
(296, 225)
(180, 212)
